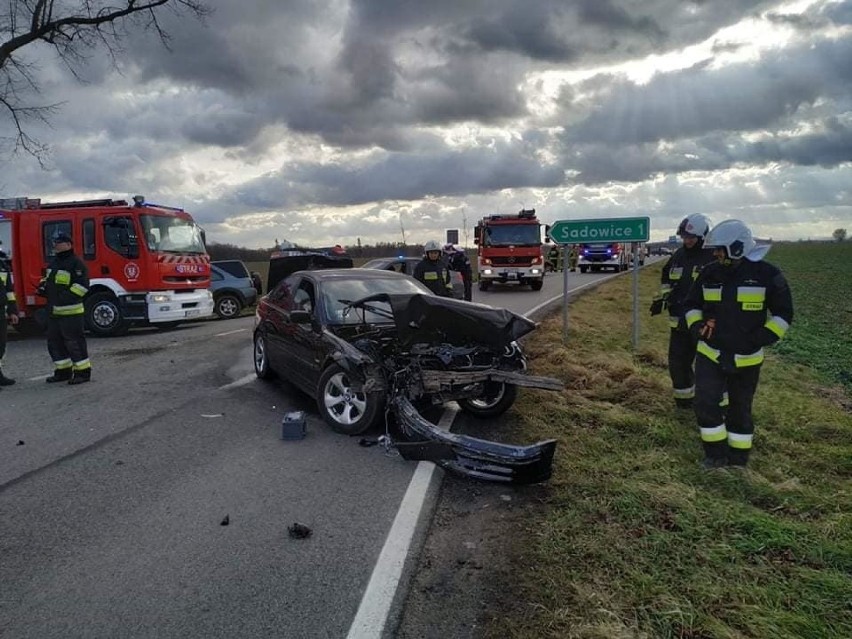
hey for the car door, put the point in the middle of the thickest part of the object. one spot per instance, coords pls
(305, 342)
(276, 324)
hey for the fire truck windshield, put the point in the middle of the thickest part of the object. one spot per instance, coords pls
(512, 234)
(168, 234)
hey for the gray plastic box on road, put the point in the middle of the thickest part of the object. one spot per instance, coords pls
(294, 425)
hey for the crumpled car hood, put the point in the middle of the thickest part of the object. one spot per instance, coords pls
(422, 318)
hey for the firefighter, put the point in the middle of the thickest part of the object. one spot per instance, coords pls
(553, 258)
(432, 270)
(738, 305)
(257, 283)
(457, 260)
(8, 310)
(65, 285)
(573, 257)
(678, 275)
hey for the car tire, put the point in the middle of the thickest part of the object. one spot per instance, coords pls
(499, 398)
(536, 285)
(103, 315)
(343, 409)
(583, 269)
(484, 285)
(227, 306)
(261, 358)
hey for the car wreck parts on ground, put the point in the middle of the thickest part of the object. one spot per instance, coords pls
(444, 350)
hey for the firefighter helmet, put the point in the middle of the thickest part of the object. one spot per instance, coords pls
(695, 224)
(736, 239)
(431, 245)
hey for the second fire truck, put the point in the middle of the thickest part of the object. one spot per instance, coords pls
(509, 250)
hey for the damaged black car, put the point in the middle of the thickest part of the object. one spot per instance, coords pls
(371, 345)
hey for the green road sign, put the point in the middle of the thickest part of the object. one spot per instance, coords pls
(615, 229)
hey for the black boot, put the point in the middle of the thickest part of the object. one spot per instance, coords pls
(81, 377)
(715, 455)
(59, 375)
(5, 381)
(737, 457)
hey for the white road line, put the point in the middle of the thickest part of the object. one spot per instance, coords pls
(242, 381)
(239, 330)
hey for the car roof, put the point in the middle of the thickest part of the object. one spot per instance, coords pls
(350, 274)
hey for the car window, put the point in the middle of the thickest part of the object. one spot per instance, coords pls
(215, 275)
(303, 298)
(281, 294)
(233, 267)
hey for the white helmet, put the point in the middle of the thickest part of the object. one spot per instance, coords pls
(736, 238)
(431, 245)
(695, 224)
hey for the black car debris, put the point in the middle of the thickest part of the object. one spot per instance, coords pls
(364, 342)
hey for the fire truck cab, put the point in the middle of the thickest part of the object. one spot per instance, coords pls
(509, 250)
(147, 263)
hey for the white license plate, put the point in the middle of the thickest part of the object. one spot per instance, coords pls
(193, 313)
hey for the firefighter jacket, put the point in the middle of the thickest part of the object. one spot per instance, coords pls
(65, 284)
(459, 261)
(679, 273)
(435, 275)
(8, 303)
(750, 306)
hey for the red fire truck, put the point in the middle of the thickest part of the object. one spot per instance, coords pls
(147, 263)
(509, 249)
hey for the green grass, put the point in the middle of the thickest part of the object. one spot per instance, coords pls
(633, 539)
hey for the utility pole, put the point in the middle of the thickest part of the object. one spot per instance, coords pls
(464, 225)
(402, 228)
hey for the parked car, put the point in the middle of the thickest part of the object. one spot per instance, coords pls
(367, 342)
(232, 288)
(406, 265)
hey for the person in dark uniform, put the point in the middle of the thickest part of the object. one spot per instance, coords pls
(65, 284)
(737, 306)
(457, 260)
(432, 270)
(553, 255)
(678, 275)
(573, 257)
(257, 282)
(8, 310)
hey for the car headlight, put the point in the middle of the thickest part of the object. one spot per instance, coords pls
(159, 298)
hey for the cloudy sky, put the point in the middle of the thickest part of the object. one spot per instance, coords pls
(325, 121)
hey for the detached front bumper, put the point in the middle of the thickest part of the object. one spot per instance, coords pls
(470, 456)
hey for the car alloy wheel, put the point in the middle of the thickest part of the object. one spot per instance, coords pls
(496, 400)
(261, 360)
(228, 307)
(344, 409)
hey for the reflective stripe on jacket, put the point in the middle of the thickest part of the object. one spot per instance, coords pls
(66, 283)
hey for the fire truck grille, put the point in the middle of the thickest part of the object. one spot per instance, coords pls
(511, 261)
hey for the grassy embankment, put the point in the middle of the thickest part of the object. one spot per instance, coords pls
(634, 540)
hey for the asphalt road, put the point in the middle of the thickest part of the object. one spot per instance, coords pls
(113, 495)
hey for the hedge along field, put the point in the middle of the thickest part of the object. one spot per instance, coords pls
(820, 276)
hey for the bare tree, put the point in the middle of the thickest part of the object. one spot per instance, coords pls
(73, 28)
(839, 235)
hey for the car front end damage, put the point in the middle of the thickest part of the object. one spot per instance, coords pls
(449, 350)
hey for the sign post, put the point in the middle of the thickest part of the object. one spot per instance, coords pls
(624, 230)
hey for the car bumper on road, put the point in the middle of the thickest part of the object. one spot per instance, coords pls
(470, 456)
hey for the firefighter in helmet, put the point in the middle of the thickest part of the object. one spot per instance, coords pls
(8, 310)
(433, 271)
(738, 305)
(678, 275)
(65, 284)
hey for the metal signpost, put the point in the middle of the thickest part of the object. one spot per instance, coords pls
(623, 230)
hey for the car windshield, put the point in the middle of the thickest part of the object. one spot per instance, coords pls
(171, 234)
(512, 234)
(337, 293)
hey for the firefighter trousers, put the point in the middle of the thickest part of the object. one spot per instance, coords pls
(725, 433)
(682, 347)
(3, 334)
(66, 343)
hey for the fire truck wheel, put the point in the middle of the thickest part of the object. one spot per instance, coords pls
(104, 316)
(227, 306)
(484, 285)
(536, 284)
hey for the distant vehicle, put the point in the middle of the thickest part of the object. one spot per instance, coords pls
(232, 288)
(509, 250)
(406, 266)
(596, 257)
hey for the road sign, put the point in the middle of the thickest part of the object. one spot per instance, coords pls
(452, 236)
(615, 229)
